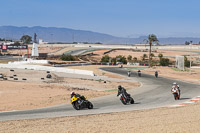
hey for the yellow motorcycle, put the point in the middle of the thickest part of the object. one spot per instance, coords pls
(80, 102)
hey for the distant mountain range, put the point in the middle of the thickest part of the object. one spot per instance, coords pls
(66, 35)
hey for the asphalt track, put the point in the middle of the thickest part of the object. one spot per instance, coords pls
(154, 92)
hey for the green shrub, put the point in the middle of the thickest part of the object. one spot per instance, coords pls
(105, 58)
(186, 62)
(67, 58)
(129, 58)
(160, 55)
(121, 59)
(114, 60)
(164, 62)
(144, 57)
(135, 59)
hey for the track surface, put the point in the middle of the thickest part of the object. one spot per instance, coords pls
(11, 58)
(154, 92)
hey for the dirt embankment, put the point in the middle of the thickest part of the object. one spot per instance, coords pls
(173, 120)
(35, 92)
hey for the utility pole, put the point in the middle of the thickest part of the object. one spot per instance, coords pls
(73, 38)
(190, 64)
(51, 38)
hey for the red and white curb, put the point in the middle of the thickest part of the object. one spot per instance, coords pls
(184, 103)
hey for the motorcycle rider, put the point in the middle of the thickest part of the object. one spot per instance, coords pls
(176, 86)
(77, 95)
(122, 90)
(139, 73)
(129, 73)
(156, 74)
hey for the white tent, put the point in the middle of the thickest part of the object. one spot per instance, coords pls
(35, 50)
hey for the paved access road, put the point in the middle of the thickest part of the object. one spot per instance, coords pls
(11, 58)
(76, 52)
(152, 94)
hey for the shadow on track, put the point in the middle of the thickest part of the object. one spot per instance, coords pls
(184, 98)
(137, 103)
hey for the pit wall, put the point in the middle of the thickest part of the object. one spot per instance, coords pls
(47, 68)
(30, 61)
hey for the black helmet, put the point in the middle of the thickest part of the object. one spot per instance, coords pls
(119, 87)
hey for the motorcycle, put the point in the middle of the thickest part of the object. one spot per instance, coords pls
(139, 74)
(80, 103)
(129, 74)
(156, 74)
(175, 93)
(126, 99)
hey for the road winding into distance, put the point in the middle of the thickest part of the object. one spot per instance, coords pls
(153, 93)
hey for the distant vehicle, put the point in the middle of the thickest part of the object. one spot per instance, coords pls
(119, 63)
(129, 73)
(139, 73)
(1, 75)
(156, 74)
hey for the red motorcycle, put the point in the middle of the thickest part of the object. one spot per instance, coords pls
(126, 99)
(176, 94)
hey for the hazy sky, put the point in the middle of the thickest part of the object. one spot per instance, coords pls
(124, 18)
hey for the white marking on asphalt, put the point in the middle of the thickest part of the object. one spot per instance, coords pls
(189, 102)
(8, 111)
(176, 105)
(195, 99)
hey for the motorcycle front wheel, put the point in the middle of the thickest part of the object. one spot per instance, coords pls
(175, 96)
(132, 101)
(123, 101)
(76, 106)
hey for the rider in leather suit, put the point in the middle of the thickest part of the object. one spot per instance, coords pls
(122, 90)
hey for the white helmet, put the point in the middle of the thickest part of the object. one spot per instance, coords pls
(72, 93)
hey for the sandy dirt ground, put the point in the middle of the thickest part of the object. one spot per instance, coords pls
(164, 120)
(166, 53)
(175, 52)
(139, 54)
(35, 92)
(173, 120)
(40, 49)
(21, 96)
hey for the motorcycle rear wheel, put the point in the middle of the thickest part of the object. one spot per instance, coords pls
(76, 106)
